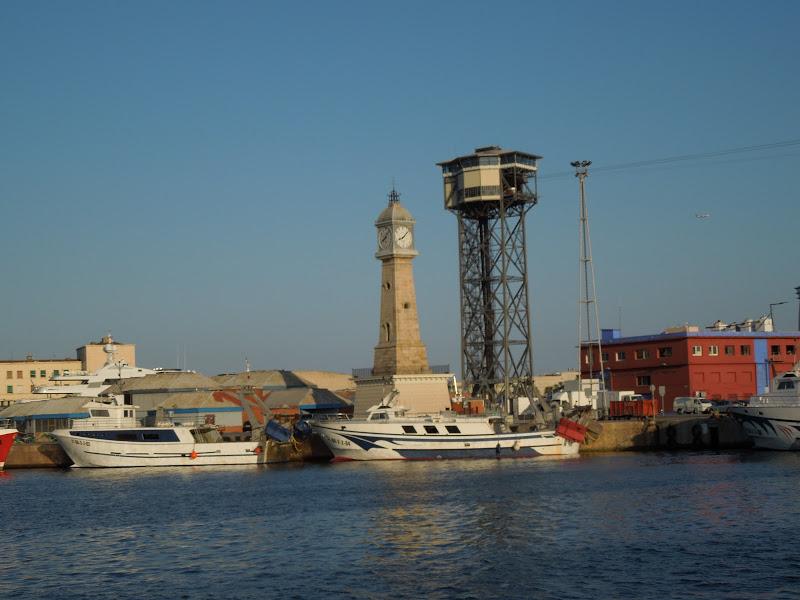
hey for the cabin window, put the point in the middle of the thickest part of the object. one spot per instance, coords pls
(431, 429)
(409, 429)
(99, 412)
(149, 437)
(124, 436)
(664, 352)
(620, 356)
(730, 350)
(790, 349)
(713, 350)
(786, 385)
(697, 351)
(452, 429)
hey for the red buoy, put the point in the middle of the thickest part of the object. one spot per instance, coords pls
(193, 455)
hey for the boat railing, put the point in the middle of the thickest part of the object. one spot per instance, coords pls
(326, 417)
(103, 422)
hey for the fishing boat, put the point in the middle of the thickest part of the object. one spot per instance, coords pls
(391, 432)
(772, 419)
(7, 435)
(111, 437)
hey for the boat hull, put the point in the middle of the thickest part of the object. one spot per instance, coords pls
(6, 440)
(108, 453)
(770, 427)
(365, 445)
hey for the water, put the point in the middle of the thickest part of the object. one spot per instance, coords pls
(688, 525)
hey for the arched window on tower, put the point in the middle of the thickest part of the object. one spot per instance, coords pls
(387, 332)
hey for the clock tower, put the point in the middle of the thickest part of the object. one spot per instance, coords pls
(401, 360)
(400, 350)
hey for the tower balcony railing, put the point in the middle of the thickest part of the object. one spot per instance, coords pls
(434, 369)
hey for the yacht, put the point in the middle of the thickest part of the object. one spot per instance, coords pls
(391, 432)
(111, 437)
(772, 419)
(83, 383)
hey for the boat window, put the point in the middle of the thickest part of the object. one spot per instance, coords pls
(126, 436)
(452, 429)
(431, 429)
(409, 429)
(378, 416)
(786, 385)
(99, 412)
(149, 437)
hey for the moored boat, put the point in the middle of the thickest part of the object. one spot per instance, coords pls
(111, 438)
(772, 419)
(393, 433)
(7, 435)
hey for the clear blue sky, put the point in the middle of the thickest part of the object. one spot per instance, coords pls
(206, 174)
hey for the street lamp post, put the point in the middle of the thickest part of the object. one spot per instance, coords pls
(771, 319)
(797, 289)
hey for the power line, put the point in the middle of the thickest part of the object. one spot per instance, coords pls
(679, 158)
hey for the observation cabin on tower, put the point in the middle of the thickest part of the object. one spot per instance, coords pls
(490, 192)
(489, 175)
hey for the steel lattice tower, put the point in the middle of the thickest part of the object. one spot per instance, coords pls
(490, 192)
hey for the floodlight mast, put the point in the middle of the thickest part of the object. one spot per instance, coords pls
(490, 192)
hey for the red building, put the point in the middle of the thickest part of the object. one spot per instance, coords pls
(723, 365)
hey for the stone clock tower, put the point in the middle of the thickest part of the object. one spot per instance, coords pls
(401, 361)
(400, 349)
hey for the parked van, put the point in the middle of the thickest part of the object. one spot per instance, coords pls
(691, 405)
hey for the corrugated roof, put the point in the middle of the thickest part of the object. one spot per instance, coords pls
(201, 399)
(51, 406)
(160, 382)
(276, 379)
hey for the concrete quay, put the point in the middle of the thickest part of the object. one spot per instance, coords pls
(679, 432)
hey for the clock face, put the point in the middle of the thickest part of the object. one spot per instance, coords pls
(402, 236)
(384, 237)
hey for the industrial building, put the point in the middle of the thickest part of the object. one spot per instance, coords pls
(719, 363)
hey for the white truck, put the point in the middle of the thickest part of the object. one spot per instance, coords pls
(691, 405)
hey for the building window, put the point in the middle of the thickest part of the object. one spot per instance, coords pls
(55, 372)
(744, 350)
(642, 354)
(19, 374)
(664, 352)
(620, 356)
(605, 356)
(697, 351)
(643, 380)
(9, 389)
(713, 350)
(790, 349)
(730, 350)
(775, 350)
(9, 374)
(33, 373)
(42, 373)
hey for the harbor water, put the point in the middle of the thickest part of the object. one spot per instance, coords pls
(648, 525)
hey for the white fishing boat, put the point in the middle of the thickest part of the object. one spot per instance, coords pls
(392, 433)
(112, 438)
(772, 419)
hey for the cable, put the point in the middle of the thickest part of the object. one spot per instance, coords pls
(679, 158)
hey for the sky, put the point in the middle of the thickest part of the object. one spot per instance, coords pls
(202, 178)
